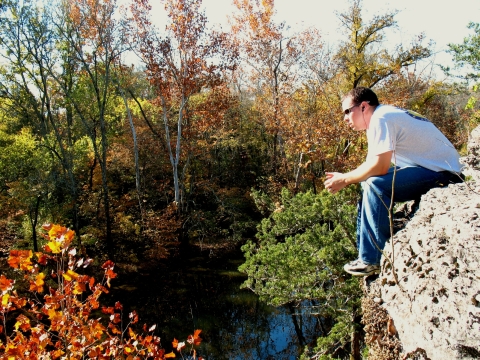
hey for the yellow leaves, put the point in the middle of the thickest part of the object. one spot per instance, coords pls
(37, 284)
(54, 315)
(129, 349)
(39, 279)
(53, 247)
(70, 275)
(60, 238)
(5, 299)
(169, 355)
(22, 323)
(79, 288)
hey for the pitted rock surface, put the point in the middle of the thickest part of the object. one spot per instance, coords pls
(436, 304)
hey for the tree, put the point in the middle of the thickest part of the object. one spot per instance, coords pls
(93, 43)
(298, 258)
(29, 52)
(189, 59)
(25, 175)
(467, 54)
(363, 57)
(269, 58)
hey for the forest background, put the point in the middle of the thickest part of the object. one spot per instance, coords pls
(213, 140)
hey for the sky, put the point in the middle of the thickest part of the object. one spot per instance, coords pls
(442, 22)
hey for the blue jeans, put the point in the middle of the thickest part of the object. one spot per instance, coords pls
(373, 226)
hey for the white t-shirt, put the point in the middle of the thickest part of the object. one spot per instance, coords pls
(414, 140)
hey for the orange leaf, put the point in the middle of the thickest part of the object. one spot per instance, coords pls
(107, 310)
(20, 259)
(92, 354)
(169, 355)
(23, 323)
(42, 258)
(79, 288)
(115, 318)
(68, 236)
(132, 334)
(134, 316)
(56, 231)
(37, 285)
(5, 284)
(114, 329)
(195, 339)
(18, 302)
(91, 282)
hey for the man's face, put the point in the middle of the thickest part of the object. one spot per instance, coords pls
(352, 113)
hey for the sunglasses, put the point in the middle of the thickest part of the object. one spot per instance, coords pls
(349, 110)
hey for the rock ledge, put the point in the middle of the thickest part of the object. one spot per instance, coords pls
(434, 309)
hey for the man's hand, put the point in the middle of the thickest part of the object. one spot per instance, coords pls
(335, 182)
(375, 166)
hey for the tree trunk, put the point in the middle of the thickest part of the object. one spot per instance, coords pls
(135, 152)
(356, 337)
(298, 329)
(34, 221)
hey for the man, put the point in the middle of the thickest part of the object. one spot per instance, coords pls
(423, 156)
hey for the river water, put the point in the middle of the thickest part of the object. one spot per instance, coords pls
(204, 293)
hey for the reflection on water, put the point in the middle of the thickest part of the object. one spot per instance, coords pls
(201, 293)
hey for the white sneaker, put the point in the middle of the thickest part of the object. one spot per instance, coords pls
(359, 268)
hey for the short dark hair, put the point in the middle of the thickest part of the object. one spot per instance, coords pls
(360, 94)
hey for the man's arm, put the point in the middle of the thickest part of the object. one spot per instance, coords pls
(374, 166)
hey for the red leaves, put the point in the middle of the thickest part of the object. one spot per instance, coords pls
(108, 266)
(68, 307)
(134, 319)
(108, 310)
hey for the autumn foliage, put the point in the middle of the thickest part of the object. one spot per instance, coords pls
(60, 318)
